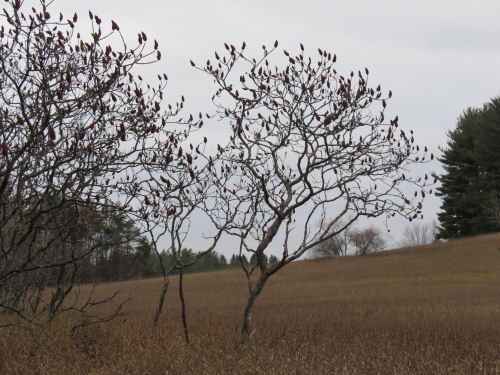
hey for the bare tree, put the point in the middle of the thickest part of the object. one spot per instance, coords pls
(419, 233)
(336, 246)
(173, 210)
(368, 240)
(173, 187)
(305, 141)
(75, 126)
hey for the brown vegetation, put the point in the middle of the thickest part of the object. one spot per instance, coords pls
(427, 310)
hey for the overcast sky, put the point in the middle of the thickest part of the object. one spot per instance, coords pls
(438, 57)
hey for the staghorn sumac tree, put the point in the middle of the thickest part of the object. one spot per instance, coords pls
(177, 195)
(76, 127)
(308, 146)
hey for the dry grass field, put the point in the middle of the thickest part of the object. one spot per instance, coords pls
(427, 310)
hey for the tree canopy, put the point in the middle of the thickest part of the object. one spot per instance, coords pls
(305, 140)
(470, 185)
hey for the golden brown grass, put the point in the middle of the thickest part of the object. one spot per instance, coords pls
(428, 310)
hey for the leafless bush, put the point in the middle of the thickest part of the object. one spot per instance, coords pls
(336, 246)
(418, 234)
(368, 240)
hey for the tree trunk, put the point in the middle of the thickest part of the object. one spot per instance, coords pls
(166, 283)
(183, 306)
(246, 334)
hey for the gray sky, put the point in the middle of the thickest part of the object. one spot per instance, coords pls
(438, 57)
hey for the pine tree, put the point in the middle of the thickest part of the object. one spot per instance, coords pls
(471, 179)
(273, 259)
(488, 156)
(222, 260)
(253, 259)
(234, 262)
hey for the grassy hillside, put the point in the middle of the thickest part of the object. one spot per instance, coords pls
(426, 310)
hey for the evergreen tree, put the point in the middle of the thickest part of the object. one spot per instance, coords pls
(471, 179)
(244, 260)
(253, 259)
(124, 253)
(222, 260)
(488, 156)
(273, 259)
(234, 262)
(208, 261)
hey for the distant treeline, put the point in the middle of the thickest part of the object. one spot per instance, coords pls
(128, 255)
